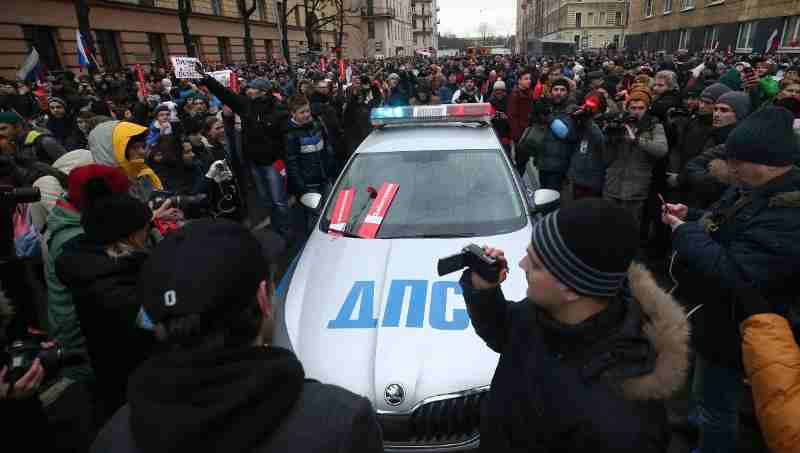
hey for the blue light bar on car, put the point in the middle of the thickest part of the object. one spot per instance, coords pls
(431, 114)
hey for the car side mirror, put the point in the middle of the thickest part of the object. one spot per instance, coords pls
(311, 200)
(545, 201)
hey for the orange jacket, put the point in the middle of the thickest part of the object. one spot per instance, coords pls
(772, 363)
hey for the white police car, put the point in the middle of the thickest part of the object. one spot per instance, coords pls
(362, 305)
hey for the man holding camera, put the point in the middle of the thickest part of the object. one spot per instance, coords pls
(633, 155)
(588, 357)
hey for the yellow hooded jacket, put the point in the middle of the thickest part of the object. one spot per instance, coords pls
(107, 142)
(772, 363)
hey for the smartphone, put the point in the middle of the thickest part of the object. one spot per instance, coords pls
(663, 203)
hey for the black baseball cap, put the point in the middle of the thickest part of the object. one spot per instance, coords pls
(209, 267)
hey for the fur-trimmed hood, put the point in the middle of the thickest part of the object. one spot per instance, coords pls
(665, 325)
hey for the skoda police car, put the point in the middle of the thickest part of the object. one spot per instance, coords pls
(362, 304)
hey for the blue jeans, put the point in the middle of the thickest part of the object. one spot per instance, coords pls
(717, 392)
(270, 185)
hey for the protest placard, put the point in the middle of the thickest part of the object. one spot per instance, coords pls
(185, 67)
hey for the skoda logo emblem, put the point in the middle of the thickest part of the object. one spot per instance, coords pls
(394, 394)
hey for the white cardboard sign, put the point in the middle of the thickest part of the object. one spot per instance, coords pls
(185, 67)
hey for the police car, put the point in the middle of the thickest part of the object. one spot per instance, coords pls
(362, 304)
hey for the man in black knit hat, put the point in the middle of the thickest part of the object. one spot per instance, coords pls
(750, 237)
(588, 358)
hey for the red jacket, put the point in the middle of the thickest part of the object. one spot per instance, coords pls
(519, 109)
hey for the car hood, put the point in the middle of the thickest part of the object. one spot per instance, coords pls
(365, 314)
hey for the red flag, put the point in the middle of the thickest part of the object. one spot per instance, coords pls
(372, 222)
(342, 75)
(142, 84)
(341, 211)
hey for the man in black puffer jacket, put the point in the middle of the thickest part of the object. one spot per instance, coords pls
(750, 237)
(263, 132)
(587, 360)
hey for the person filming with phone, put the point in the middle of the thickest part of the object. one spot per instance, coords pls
(750, 236)
(589, 356)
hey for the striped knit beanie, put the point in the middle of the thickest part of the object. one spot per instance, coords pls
(588, 246)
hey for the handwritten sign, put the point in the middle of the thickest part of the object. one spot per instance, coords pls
(185, 67)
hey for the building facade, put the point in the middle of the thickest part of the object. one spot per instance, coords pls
(739, 26)
(385, 29)
(425, 24)
(590, 24)
(128, 32)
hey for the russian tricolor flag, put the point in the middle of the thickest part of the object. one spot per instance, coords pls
(85, 53)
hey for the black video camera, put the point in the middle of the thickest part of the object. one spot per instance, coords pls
(613, 124)
(475, 259)
(22, 353)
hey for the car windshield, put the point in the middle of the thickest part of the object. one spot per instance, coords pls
(441, 193)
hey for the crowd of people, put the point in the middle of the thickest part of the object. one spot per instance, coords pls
(686, 160)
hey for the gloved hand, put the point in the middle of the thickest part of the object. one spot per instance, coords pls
(750, 302)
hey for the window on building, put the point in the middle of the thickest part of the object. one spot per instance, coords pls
(224, 45)
(667, 6)
(747, 32)
(791, 32)
(370, 30)
(156, 41)
(108, 48)
(591, 21)
(297, 17)
(684, 38)
(261, 10)
(618, 18)
(687, 4)
(216, 7)
(648, 8)
(42, 39)
(603, 19)
(577, 20)
(616, 41)
(268, 47)
(711, 37)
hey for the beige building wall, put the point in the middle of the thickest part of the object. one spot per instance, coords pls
(132, 27)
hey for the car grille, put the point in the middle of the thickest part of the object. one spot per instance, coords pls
(446, 421)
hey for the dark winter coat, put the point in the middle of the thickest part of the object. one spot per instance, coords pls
(263, 123)
(250, 399)
(309, 157)
(323, 107)
(703, 188)
(104, 294)
(759, 245)
(631, 170)
(661, 105)
(446, 93)
(599, 386)
(519, 110)
(501, 122)
(587, 167)
(556, 154)
(693, 133)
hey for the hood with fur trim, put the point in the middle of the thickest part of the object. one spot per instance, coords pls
(665, 325)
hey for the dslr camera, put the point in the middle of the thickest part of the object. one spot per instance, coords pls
(474, 258)
(182, 202)
(22, 353)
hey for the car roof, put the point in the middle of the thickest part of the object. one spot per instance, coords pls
(429, 137)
